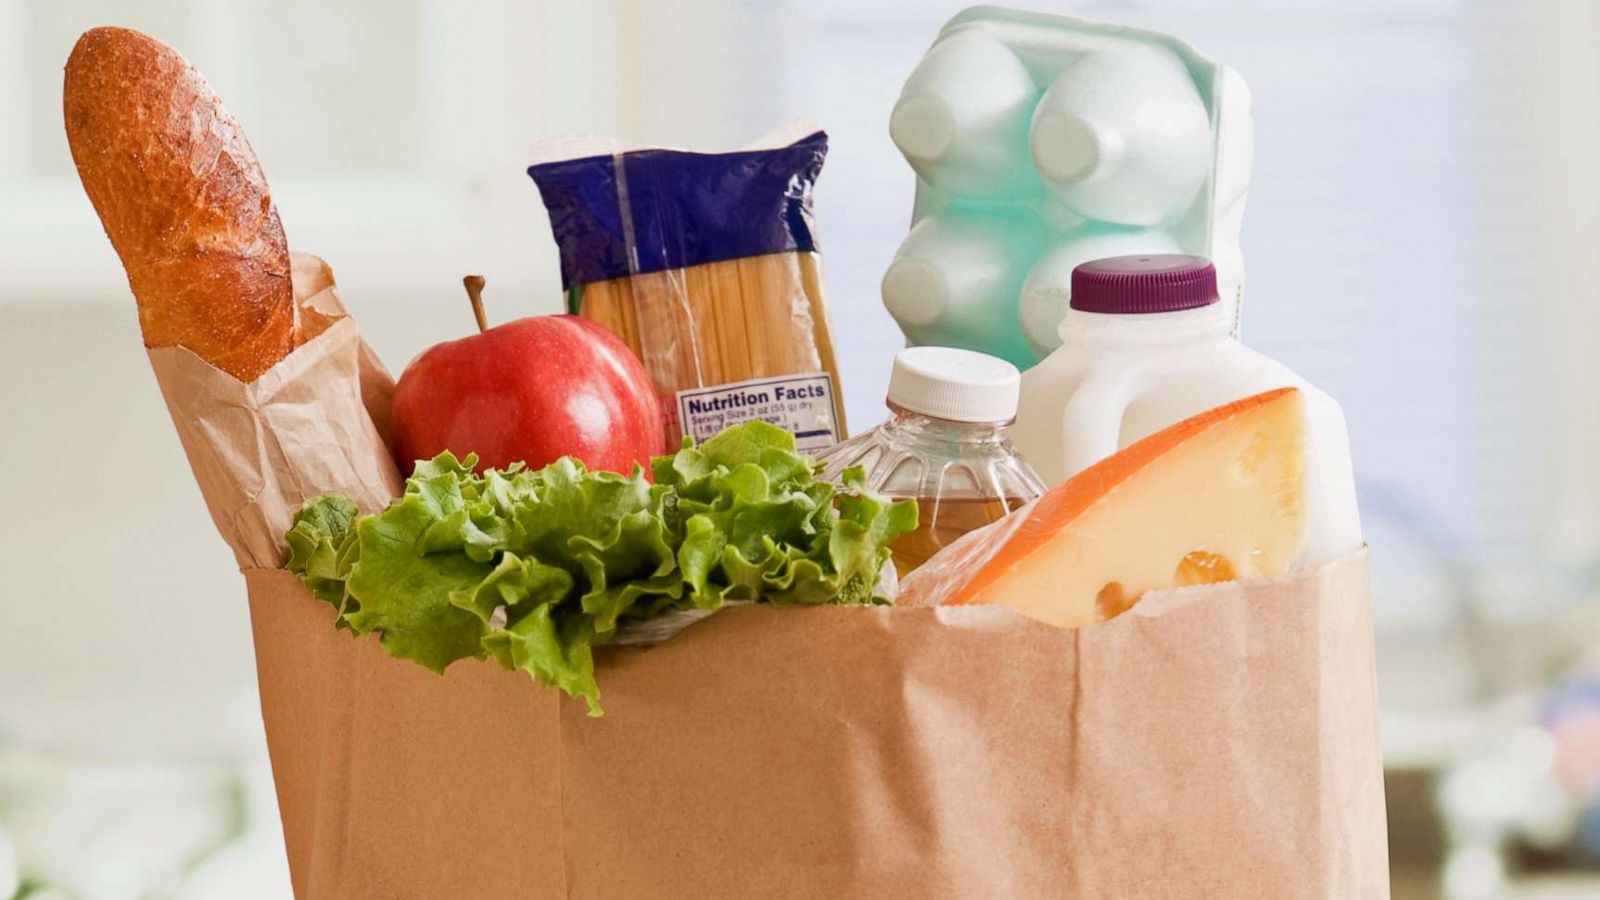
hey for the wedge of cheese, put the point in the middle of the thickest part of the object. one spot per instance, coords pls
(1217, 497)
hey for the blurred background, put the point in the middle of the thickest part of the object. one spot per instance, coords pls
(1420, 239)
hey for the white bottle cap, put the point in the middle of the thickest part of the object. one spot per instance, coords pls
(959, 385)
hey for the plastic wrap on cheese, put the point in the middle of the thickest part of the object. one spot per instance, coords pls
(1217, 497)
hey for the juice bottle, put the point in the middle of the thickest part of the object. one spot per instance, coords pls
(944, 445)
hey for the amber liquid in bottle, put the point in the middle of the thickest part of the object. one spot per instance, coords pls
(942, 521)
(963, 475)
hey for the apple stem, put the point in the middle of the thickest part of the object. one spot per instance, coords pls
(474, 285)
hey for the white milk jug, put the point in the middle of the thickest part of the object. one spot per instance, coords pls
(1145, 345)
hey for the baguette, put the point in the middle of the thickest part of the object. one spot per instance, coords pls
(184, 201)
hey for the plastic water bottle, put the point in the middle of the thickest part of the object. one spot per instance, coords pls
(1145, 345)
(944, 445)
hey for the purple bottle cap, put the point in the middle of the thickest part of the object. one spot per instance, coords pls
(1155, 283)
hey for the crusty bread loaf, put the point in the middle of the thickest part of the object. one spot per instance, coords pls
(183, 200)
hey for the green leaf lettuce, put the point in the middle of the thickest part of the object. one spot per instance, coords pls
(535, 568)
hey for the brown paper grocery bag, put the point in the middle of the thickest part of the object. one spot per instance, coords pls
(1217, 741)
(315, 422)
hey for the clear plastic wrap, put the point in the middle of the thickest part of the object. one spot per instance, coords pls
(1218, 497)
(706, 265)
(952, 568)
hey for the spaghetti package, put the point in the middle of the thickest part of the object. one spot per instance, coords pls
(705, 264)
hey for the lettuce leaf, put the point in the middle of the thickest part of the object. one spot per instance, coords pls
(533, 569)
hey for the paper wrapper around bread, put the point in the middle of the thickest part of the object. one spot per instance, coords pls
(1217, 741)
(317, 421)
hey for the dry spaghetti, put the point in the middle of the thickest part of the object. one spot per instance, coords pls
(706, 265)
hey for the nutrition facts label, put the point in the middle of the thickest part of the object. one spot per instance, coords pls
(800, 404)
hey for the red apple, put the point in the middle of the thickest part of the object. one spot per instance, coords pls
(532, 390)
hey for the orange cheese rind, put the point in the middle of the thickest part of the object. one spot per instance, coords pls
(1216, 497)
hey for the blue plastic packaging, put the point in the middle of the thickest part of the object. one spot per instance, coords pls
(649, 210)
(706, 266)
